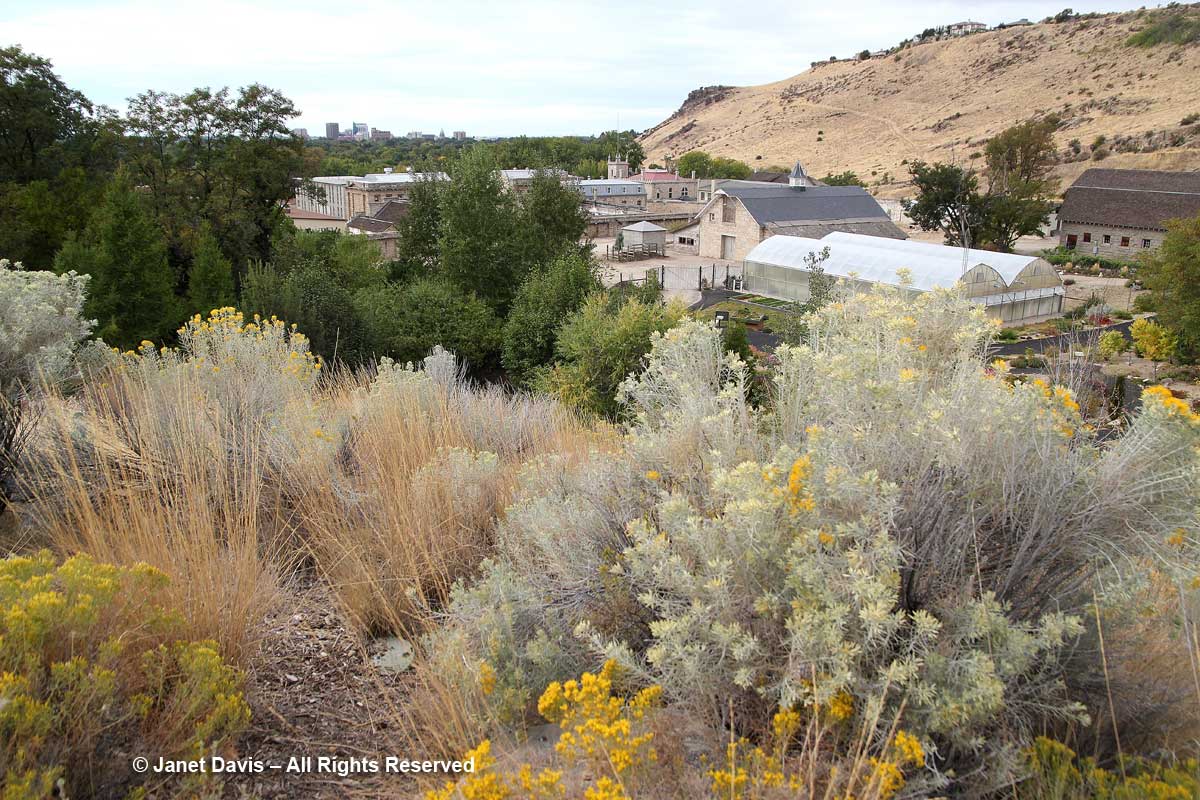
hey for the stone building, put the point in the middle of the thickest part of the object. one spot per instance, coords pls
(346, 196)
(613, 191)
(519, 180)
(739, 217)
(662, 184)
(1119, 213)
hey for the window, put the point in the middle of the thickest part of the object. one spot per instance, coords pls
(1107, 239)
(712, 217)
(728, 212)
(1087, 237)
(670, 193)
(1124, 241)
(1145, 242)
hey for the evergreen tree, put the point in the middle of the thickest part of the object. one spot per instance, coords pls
(210, 281)
(132, 291)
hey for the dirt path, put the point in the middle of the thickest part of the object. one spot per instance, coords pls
(317, 694)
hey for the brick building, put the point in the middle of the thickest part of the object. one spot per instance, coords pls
(1119, 213)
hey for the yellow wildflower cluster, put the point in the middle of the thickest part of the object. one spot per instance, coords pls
(70, 623)
(1063, 407)
(487, 678)
(598, 725)
(595, 725)
(225, 339)
(887, 774)
(798, 495)
(1056, 771)
(485, 783)
(1174, 406)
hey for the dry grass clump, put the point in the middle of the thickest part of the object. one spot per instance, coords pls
(230, 462)
(425, 466)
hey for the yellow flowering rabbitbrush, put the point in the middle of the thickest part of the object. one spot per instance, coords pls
(88, 656)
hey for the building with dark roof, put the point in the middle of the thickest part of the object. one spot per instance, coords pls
(1120, 213)
(739, 217)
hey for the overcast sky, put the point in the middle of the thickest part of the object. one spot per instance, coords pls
(491, 68)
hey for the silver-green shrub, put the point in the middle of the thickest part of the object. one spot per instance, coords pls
(905, 525)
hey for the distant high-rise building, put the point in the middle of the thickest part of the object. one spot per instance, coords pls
(331, 131)
(380, 134)
(300, 133)
(460, 134)
(415, 135)
(360, 127)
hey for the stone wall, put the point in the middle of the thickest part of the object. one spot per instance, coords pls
(744, 228)
(1113, 248)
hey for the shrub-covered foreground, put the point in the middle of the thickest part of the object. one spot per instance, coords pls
(92, 672)
(887, 578)
(904, 532)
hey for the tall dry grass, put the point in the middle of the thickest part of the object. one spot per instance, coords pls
(426, 466)
(235, 467)
(108, 477)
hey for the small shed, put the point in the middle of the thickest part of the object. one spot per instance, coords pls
(644, 233)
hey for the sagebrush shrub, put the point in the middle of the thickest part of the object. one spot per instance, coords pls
(903, 527)
(41, 325)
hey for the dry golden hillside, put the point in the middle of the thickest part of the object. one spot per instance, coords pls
(941, 100)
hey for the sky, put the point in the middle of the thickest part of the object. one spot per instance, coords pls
(497, 68)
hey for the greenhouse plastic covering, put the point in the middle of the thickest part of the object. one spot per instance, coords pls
(878, 260)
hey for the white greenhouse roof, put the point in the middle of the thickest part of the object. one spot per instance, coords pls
(645, 227)
(878, 260)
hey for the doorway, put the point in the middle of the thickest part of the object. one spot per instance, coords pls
(727, 244)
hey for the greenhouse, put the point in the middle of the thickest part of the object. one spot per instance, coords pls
(1013, 288)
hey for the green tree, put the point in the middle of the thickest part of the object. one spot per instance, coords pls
(847, 178)
(210, 281)
(40, 116)
(695, 161)
(417, 250)
(1019, 160)
(551, 218)
(211, 155)
(480, 252)
(599, 346)
(546, 298)
(947, 200)
(1172, 274)
(405, 321)
(132, 291)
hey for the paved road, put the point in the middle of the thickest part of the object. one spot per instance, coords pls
(1061, 342)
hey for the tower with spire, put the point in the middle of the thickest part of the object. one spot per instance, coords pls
(799, 178)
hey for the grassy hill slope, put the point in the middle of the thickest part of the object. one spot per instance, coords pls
(942, 100)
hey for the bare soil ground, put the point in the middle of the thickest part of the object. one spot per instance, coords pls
(315, 694)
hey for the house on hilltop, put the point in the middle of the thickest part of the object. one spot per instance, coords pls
(964, 28)
(1122, 212)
